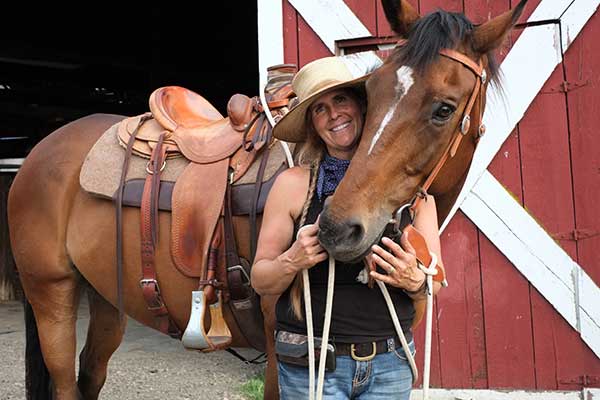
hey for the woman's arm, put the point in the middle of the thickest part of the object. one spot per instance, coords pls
(276, 262)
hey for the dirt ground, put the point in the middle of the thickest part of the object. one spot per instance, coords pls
(147, 365)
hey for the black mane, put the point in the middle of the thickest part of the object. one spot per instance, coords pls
(433, 32)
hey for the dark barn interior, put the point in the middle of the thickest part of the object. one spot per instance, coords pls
(59, 63)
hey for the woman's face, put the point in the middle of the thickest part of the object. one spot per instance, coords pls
(338, 118)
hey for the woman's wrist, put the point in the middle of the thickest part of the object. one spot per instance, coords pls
(420, 290)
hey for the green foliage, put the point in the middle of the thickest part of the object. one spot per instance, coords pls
(254, 389)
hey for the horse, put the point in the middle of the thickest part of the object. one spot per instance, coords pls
(63, 239)
(423, 123)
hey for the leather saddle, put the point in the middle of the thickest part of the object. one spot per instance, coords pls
(181, 123)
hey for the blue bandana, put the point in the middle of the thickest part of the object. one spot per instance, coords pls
(331, 172)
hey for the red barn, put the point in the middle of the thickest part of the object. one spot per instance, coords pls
(522, 311)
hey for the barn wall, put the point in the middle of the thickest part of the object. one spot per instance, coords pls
(493, 329)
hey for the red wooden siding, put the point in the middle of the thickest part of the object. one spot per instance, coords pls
(493, 329)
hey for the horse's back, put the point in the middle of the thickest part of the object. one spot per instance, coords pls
(63, 150)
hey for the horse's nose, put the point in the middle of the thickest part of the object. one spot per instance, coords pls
(339, 237)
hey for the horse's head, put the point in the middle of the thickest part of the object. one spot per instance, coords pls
(417, 104)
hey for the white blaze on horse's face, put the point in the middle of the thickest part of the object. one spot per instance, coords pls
(405, 80)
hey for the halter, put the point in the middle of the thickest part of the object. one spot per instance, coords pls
(465, 123)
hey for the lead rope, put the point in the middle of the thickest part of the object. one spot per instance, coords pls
(326, 325)
(429, 273)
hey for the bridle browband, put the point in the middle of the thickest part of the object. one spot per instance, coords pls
(461, 130)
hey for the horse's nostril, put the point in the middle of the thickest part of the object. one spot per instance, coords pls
(352, 233)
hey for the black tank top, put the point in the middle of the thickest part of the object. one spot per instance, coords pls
(359, 313)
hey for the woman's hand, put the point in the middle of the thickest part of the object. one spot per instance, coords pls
(306, 251)
(400, 263)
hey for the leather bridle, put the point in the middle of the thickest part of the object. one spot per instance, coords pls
(461, 130)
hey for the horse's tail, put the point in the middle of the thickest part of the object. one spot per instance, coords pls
(37, 378)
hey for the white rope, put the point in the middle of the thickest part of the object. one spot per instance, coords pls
(310, 334)
(284, 145)
(399, 332)
(309, 327)
(265, 105)
(326, 325)
(288, 153)
(429, 272)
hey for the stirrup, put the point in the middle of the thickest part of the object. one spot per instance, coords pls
(195, 336)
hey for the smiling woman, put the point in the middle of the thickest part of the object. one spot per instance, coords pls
(330, 119)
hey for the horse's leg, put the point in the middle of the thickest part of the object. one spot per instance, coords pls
(271, 381)
(105, 333)
(54, 304)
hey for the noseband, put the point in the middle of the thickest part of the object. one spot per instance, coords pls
(399, 220)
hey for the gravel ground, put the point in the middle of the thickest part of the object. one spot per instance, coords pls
(147, 365)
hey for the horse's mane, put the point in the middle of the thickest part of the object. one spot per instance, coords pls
(436, 31)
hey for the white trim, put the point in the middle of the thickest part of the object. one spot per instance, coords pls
(270, 36)
(11, 161)
(485, 394)
(526, 68)
(535, 254)
(331, 20)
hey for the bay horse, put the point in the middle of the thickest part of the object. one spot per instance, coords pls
(63, 239)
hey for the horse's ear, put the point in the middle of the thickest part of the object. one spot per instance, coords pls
(491, 34)
(400, 15)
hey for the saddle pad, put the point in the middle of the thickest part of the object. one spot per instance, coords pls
(101, 169)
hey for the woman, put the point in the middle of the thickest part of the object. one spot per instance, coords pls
(369, 360)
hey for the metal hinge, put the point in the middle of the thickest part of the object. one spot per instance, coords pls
(576, 234)
(565, 87)
(581, 381)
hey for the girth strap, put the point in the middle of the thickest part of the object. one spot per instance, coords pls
(244, 302)
(149, 235)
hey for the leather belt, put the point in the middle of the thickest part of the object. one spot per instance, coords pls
(366, 351)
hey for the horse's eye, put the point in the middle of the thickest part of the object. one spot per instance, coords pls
(442, 112)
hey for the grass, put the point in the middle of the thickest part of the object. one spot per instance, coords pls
(254, 388)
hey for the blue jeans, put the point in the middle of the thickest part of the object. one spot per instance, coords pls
(386, 376)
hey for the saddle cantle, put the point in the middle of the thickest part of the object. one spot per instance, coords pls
(218, 151)
(202, 136)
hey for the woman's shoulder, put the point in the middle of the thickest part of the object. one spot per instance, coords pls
(289, 190)
(293, 178)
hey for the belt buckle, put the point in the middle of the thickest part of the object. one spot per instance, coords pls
(365, 358)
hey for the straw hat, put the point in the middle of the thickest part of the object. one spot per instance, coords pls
(317, 77)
